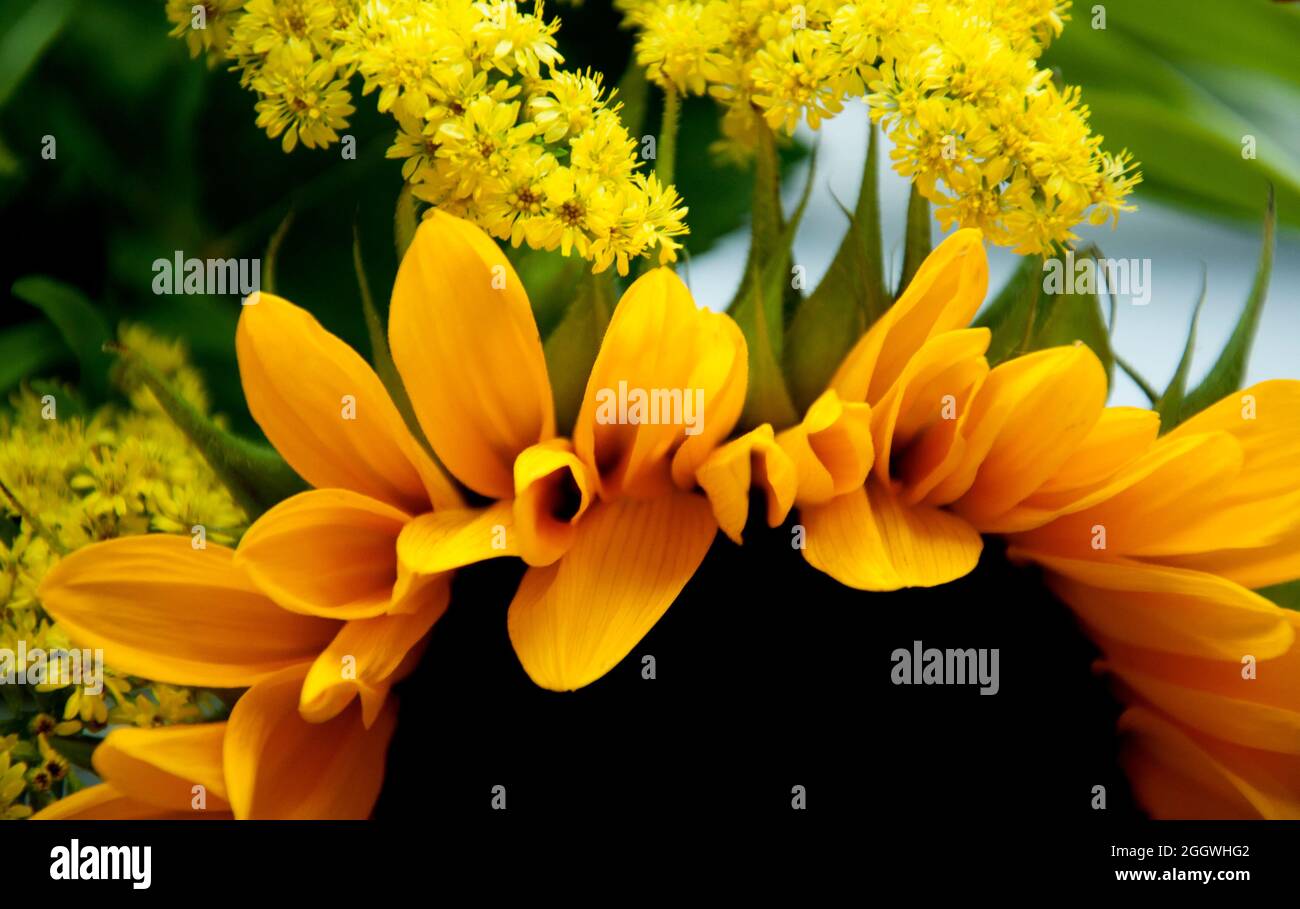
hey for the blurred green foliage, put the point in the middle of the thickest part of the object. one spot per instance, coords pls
(1182, 83)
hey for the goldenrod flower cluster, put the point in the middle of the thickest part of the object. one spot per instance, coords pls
(490, 127)
(976, 123)
(71, 479)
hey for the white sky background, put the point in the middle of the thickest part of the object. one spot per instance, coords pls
(1149, 337)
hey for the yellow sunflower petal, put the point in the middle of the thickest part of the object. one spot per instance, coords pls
(944, 295)
(752, 461)
(444, 540)
(941, 373)
(1178, 775)
(464, 339)
(163, 610)
(831, 449)
(281, 767)
(662, 359)
(1146, 503)
(1026, 420)
(1172, 609)
(364, 658)
(326, 552)
(871, 540)
(573, 621)
(326, 411)
(162, 766)
(553, 490)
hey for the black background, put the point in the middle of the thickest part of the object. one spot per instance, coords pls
(769, 674)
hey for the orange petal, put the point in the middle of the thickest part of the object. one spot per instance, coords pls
(572, 622)
(667, 386)
(326, 552)
(281, 767)
(871, 540)
(103, 802)
(942, 373)
(365, 656)
(1026, 420)
(326, 411)
(1178, 775)
(163, 766)
(831, 449)
(463, 337)
(553, 490)
(444, 540)
(1172, 609)
(1120, 437)
(752, 461)
(1146, 503)
(163, 610)
(944, 294)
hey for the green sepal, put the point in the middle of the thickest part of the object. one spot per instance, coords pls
(1229, 370)
(406, 219)
(1023, 318)
(1170, 404)
(916, 240)
(847, 300)
(1286, 595)
(766, 293)
(255, 474)
(81, 325)
(572, 347)
(1010, 315)
(1074, 317)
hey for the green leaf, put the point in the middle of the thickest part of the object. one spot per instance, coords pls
(26, 39)
(83, 329)
(1184, 99)
(26, 350)
(255, 474)
(1170, 404)
(571, 349)
(1076, 317)
(1010, 314)
(1285, 595)
(1229, 369)
(917, 239)
(846, 301)
(380, 355)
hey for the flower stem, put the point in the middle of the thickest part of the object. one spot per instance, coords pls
(666, 153)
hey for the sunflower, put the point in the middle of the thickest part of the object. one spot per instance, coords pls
(1159, 547)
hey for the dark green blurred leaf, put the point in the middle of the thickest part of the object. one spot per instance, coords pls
(26, 38)
(380, 356)
(1229, 370)
(84, 330)
(255, 474)
(28, 349)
